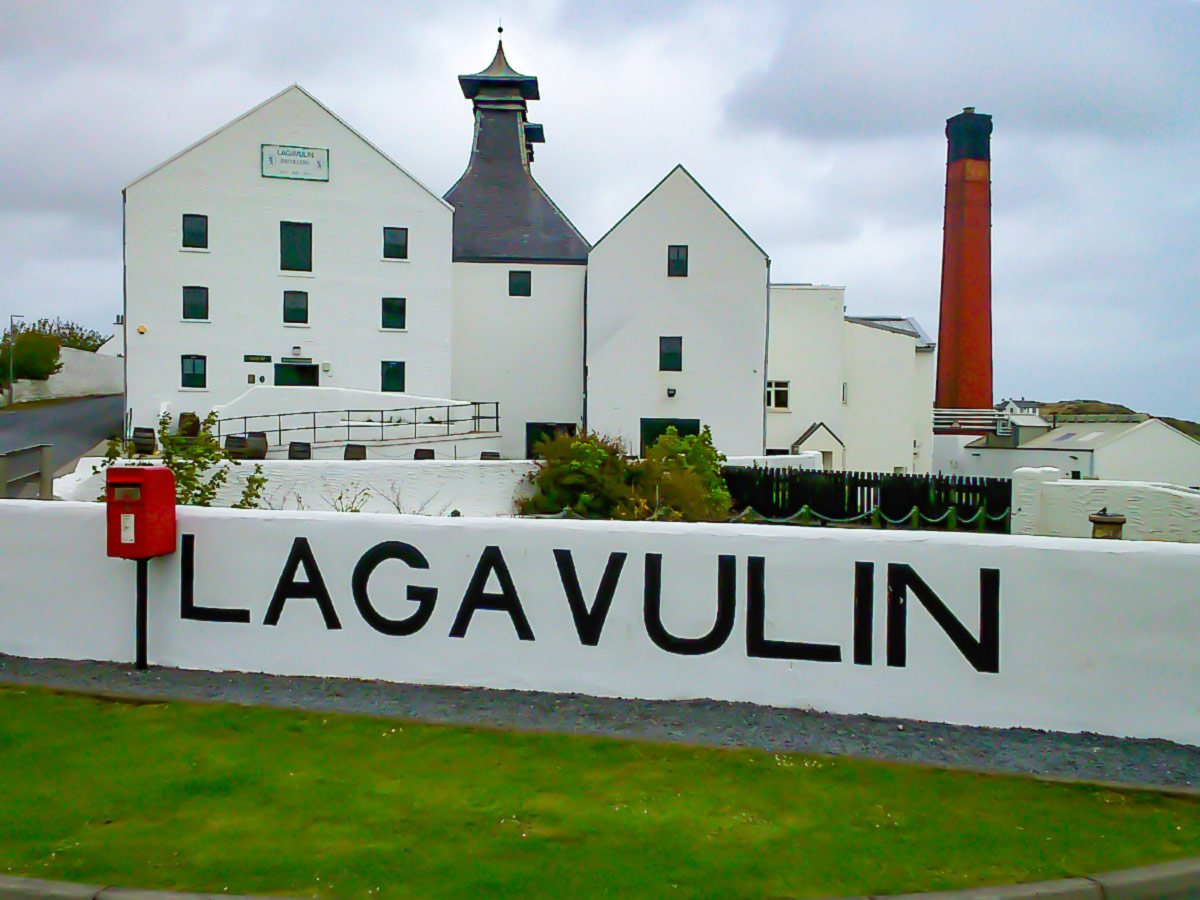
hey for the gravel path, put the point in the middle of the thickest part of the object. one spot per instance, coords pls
(706, 722)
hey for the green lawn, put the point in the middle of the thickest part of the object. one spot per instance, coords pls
(222, 798)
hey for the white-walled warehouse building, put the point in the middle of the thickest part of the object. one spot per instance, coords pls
(286, 250)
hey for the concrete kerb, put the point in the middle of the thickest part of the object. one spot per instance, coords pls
(1160, 881)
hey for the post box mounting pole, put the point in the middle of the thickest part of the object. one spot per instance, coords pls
(140, 659)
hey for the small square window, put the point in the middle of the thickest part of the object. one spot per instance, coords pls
(295, 246)
(195, 231)
(391, 376)
(395, 243)
(195, 371)
(677, 260)
(394, 312)
(195, 302)
(777, 394)
(295, 307)
(520, 283)
(670, 354)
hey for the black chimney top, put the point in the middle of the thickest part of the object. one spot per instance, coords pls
(970, 136)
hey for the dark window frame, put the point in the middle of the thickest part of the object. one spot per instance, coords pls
(290, 243)
(294, 296)
(385, 368)
(200, 295)
(774, 390)
(677, 260)
(395, 242)
(383, 313)
(195, 237)
(198, 373)
(520, 282)
(670, 358)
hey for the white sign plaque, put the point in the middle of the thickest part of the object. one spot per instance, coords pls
(305, 163)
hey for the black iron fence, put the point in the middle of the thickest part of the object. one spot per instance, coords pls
(871, 498)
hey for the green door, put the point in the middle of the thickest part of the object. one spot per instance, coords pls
(294, 375)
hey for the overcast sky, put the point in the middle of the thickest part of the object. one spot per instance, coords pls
(819, 127)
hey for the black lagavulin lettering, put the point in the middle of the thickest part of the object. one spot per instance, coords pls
(726, 604)
(757, 644)
(491, 560)
(187, 587)
(589, 622)
(290, 589)
(424, 597)
(864, 611)
(983, 654)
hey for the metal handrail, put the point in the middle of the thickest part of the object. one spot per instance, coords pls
(483, 416)
(44, 470)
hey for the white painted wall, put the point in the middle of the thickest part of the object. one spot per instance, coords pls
(883, 415)
(432, 488)
(221, 178)
(525, 352)
(1153, 451)
(83, 374)
(810, 461)
(807, 350)
(1083, 645)
(1045, 503)
(719, 309)
(1000, 462)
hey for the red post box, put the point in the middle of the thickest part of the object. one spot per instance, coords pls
(141, 511)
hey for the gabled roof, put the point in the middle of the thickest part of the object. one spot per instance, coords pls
(679, 168)
(1090, 435)
(897, 325)
(267, 102)
(813, 429)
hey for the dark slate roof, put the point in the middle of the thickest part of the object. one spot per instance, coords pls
(898, 325)
(499, 74)
(500, 213)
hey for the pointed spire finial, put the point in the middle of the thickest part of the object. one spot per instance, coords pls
(499, 26)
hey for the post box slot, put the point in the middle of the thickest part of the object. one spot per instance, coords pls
(127, 494)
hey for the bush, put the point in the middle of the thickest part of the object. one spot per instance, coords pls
(198, 463)
(679, 480)
(586, 474)
(36, 358)
(68, 334)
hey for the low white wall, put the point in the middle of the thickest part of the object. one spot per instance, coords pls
(810, 460)
(1036, 632)
(83, 374)
(426, 487)
(1044, 503)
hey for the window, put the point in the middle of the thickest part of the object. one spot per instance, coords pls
(394, 312)
(777, 394)
(195, 302)
(391, 376)
(395, 243)
(295, 307)
(295, 246)
(670, 354)
(194, 371)
(195, 231)
(677, 260)
(845, 392)
(520, 284)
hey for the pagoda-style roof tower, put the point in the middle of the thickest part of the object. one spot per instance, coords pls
(500, 213)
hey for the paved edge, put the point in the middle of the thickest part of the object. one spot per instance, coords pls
(1163, 880)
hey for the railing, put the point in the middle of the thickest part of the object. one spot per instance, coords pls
(861, 497)
(358, 425)
(967, 420)
(17, 466)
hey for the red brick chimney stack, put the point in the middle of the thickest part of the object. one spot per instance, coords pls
(964, 365)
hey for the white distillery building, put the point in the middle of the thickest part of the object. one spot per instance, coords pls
(857, 389)
(285, 253)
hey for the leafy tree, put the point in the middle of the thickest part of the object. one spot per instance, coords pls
(69, 334)
(680, 478)
(198, 462)
(36, 356)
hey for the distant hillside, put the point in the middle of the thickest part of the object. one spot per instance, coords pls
(1092, 407)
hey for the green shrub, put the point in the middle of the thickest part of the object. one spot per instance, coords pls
(679, 480)
(36, 357)
(197, 462)
(68, 334)
(586, 474)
